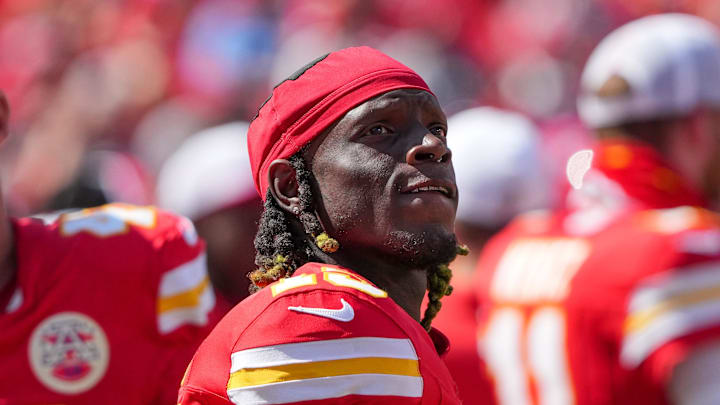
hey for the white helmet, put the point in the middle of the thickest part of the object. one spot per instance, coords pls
(668, 64)
(498, 166)
(209, 171)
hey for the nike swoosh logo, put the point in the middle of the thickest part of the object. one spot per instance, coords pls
(344, 314)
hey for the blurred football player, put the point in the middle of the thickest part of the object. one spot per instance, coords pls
(100, 306)
(208, 180)
(350, 157)
(614, 299)
(500, 173)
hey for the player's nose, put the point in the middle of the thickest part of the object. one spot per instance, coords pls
(431, 149)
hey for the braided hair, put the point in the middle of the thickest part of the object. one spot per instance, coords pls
(438, 286)
(280, 251)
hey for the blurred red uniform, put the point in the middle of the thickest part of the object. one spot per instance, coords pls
(107, 307)
(458, 321)
(597, 304)
(342, 340)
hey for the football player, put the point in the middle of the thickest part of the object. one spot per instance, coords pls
(614, 299)
(350, 156)
(100, 306)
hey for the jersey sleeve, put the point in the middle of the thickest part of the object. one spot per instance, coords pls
(672, 313)
(185, 296)
(317, 347)
(153, 267)
(184, 300)
(161, 251)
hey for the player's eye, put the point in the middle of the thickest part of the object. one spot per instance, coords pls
(438, 131)
(378, 130)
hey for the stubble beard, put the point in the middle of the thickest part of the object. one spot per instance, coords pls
(422, 250)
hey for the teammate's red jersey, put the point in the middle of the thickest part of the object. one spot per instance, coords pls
(324, 336)
(597, 304)
(458, 322)
(107, 308)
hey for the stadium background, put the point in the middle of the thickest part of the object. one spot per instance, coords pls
(102, 92)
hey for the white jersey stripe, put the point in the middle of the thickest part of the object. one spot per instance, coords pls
(184, 277)
(670, 305)
(197, 315)
(328, 387)
(675, 282)
(669, 325)
(322, 350)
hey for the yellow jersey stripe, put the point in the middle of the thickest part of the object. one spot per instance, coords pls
(185, 299)
(368, 365)
(642, 318)
(196, 315)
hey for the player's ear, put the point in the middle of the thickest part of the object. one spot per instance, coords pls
(4, 116)
(282, 182)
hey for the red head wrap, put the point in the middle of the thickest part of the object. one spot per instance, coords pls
(309, 101)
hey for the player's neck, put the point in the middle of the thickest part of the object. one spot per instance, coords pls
(7, 262)
(406, 287)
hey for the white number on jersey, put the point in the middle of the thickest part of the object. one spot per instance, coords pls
(521, 350)
(108, 220)
(524, 340)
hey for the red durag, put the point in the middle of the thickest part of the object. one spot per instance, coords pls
(303, 106)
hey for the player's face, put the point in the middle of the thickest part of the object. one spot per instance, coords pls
(385, 181)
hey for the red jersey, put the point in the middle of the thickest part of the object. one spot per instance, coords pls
(457, 318)
(324, 336)
(598, 303)
(107, 307)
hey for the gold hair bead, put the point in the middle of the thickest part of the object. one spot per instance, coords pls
(326, 243)
(258, 278)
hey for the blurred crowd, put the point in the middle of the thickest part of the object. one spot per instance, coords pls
(102, 92)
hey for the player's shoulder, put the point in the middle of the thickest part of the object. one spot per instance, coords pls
(114, 224)
(688, 233)
(677, 297)
(120, 245)
(152, 246)
(674, 221)
(117, 222)
(118, 232)
(323, 331)
(317, 297)
(662, 248)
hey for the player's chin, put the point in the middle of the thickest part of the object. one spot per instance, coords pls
(423, 249)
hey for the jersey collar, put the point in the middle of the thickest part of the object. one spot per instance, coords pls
(440, 341)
